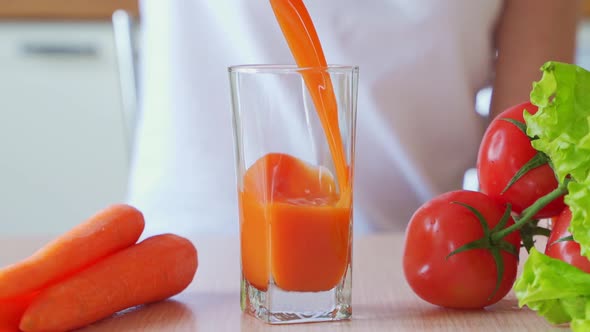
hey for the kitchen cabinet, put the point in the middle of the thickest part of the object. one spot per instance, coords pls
(66, 122)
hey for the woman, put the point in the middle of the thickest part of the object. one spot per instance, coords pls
(421, 64)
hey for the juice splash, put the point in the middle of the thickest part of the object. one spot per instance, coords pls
(295, 222)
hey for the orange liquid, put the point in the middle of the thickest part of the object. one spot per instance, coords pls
(295, 223)
(306, 48)
(291, 226)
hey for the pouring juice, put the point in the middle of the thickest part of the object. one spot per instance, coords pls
(296, 216)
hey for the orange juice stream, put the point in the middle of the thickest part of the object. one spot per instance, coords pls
(306, 48)
(295, 225)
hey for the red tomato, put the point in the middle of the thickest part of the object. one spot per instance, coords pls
(466, 279)
(503, 151)
(567, 251)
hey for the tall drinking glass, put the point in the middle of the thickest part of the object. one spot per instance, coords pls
(293, 152)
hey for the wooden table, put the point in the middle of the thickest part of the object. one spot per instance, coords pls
(65, 9)
(382, 301)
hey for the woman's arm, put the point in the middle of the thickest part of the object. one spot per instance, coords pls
(529, 33)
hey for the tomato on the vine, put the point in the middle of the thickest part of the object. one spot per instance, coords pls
(503, 151)
(568, 250)
(467, 279)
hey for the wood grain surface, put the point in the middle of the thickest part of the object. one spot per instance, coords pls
(585, 8)
(65, 9)
(382, 301)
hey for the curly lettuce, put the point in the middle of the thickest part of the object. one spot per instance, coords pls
(556, 290)
(581, 324)
(561, 126)
(578, 200)
(561, 129)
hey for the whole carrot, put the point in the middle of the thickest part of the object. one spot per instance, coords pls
(150, 271)
(112, 229)
(12, 310)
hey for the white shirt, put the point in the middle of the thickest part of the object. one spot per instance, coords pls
(421, 63)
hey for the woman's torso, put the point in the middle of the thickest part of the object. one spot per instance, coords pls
(421, 63)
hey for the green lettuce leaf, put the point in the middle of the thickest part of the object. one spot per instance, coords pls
(556, 290)
(561, 129)
(561, 124)
(580, 325)
(578, 199)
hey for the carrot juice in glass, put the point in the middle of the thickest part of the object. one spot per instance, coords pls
(294, 132)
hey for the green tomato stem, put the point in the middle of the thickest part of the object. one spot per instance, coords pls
(529, 213)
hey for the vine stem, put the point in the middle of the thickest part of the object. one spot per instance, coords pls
(529, 213)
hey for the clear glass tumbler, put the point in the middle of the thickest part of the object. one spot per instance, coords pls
(294, 132)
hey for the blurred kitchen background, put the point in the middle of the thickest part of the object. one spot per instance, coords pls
(68, 108)
(69, 82)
